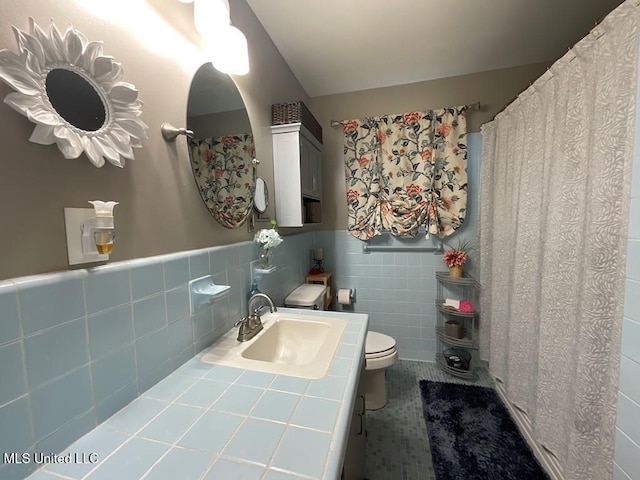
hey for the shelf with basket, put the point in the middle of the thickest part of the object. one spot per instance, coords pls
(464, 342)
(456, 327)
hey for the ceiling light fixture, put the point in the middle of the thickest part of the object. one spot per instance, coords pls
(227, 44)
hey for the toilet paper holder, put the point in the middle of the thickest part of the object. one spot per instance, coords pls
(352, 296)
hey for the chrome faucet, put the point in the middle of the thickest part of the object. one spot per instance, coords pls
(251, 324)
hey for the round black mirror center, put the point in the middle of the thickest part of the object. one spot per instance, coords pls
(75, 99)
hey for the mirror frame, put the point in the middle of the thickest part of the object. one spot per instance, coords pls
(26, 72)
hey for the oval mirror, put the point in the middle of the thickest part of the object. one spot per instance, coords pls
(75, 99)
(261, 200)
(221, 149)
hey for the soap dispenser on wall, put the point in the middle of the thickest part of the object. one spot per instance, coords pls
(90, 232)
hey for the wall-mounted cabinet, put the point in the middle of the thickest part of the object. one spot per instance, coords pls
(297, 171)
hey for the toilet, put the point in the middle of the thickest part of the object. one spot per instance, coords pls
(380, 349)
(380, 353)
(307, 295)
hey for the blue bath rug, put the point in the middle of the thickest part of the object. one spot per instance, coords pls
(472, 436)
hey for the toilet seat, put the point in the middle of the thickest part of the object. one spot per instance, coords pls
(379, 345)
(380, 351)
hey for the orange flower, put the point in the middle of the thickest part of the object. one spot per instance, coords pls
(227, 140)
(349, 126)
(456, 169)
(425, 153)
(381, 136)
(363, 161)
(206, 155)
(444, 129)
(454, 258)
(219, 172)
(228, 199)
(446, 203)
(352, 195)
(412, 117)
(414, 189)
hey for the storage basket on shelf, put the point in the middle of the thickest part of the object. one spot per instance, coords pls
(457, 358)
(295, 112)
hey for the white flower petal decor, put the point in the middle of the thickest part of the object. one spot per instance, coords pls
(74, 94)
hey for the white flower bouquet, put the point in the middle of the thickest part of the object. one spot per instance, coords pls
(267, 238)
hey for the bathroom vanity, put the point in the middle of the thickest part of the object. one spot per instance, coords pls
(210, 421)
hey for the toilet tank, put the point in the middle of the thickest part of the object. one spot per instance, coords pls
(308, 295)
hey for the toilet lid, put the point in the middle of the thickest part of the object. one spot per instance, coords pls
(306, 295)
(379, 345)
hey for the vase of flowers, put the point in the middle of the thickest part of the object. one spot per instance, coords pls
(455, 259)
(267, 239)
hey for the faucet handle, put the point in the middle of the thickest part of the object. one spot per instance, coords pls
(256, 311)
(255, 322)
(240, 322)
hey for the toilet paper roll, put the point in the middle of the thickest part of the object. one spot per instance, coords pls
(344, 296)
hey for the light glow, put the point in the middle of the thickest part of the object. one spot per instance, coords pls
(226, 44)
(230, 51)
(150, 30)
(210, 15)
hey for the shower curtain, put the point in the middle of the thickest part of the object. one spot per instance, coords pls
(554, 206)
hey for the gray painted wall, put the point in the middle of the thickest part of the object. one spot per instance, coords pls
(160, 210)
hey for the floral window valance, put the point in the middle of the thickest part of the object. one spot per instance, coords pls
(225, 176)
(406, 170)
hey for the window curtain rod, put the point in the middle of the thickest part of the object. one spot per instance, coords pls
(473, 106)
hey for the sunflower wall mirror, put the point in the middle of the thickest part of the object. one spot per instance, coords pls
(74, 94)
(221, 150)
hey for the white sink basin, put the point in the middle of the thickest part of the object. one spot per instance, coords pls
(290, 344)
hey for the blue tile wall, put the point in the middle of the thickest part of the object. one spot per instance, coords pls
(398, 289)
(77, 346)
(627, 442)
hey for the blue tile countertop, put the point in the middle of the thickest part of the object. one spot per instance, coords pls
(212, 422)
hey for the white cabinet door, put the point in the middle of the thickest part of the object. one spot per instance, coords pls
(355, 454)
(297, 173)
(310, 169)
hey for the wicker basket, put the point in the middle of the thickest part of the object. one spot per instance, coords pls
(295, 112)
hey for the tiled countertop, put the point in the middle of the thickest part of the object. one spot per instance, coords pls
(214, 422)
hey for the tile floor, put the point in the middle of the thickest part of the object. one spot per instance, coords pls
(397, 440)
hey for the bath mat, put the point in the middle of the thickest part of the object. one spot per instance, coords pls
(472, 436)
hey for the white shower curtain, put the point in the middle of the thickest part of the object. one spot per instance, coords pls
(555, 183)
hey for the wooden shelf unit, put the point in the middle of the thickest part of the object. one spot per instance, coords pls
(326, 279)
